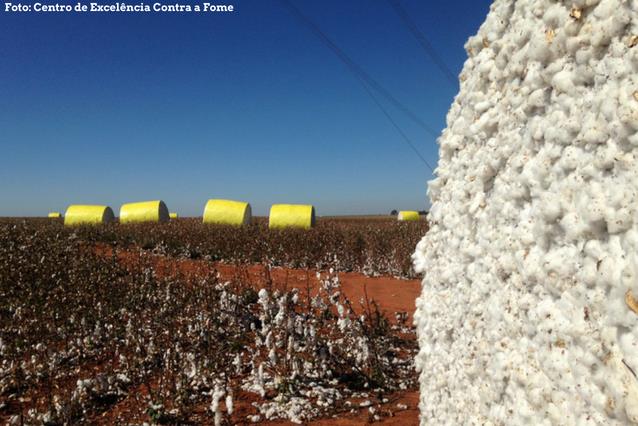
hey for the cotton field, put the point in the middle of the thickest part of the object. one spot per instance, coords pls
(515, 302)
(100, 326)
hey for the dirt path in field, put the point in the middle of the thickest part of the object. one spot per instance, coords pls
(391, 294)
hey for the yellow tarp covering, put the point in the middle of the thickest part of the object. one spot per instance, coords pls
(408, 215)
(145, 211)
(291, 216)
(173, 215)
(88, 215)
(55, 215)
(227, 212)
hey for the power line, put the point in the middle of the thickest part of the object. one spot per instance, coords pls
(367, 82)
(424, 42)
(355, 68)
(396, 126)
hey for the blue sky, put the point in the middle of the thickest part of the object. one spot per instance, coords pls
(113, 108)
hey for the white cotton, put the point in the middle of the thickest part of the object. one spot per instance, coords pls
(237, 363)
(263, 295)
(531, 260)
(260, 380)
(218, 394)
(229, 402)
(563, 82)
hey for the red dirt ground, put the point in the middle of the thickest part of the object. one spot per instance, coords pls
(391, 294)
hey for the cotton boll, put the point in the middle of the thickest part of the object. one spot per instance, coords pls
(628, 115)
(229, 403)
(563, 82)
(605, 9)
(592, 133)
(619, 221)
(538, 98)
(616, 68)
(601, 33)
(571, 158)
(574, 44)
(217, 394)
(593, 211)
(538, 49)
(633, 140)
(534, 76)
(584, 55)
(556, 15)
(608, 108)
(629, 345)
(606, 268)
(606, 157)
(619, 196)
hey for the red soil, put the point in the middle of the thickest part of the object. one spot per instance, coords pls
(392, 294)
(132, 408)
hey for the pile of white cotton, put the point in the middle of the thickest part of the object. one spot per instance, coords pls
(528, 312)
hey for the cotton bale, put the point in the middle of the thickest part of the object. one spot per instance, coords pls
(227, 212)
(55, 215)
(173, 216)
(408, 216)
(88, 215)
(144, 211)
(291, 216)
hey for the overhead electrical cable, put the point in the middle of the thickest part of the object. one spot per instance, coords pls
(396, 126)
(356, 69)
(367, 82)
(424, 42)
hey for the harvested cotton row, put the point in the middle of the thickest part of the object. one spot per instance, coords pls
(407, 216)
(88, 215)
(144, 211)
(55, 215)
(227, 212)
(291, 216)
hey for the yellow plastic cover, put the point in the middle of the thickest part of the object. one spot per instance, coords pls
(173, 215)
(55, 215)
(227, 212)
(291, 216)
(408, 215)
(88, 215)
(145, 211)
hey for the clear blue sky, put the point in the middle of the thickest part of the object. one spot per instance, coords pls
(114, 108)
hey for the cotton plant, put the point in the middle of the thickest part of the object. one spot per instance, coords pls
(135, 336)
(318, 357)
(215, 407)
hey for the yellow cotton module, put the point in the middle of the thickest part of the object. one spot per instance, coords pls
(408, 215)
(55, 215)
(291, 216)
(78, 214)
(227, 212)
(144, 211)
(173, 216)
